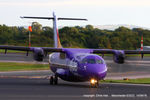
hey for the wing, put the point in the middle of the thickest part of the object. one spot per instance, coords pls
(119, 55)
(38, 52)
(49, 49)
(137, 52)
(22, 48)
(113, 51)
(104, 51)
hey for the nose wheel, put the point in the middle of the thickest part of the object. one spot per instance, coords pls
(53, 80)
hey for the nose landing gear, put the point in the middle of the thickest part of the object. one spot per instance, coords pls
(94, 83)
(53, 80)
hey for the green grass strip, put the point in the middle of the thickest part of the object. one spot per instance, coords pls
(132, 81)
(12, 51)
(11, 66)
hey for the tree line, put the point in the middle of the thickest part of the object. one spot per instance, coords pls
(75, 37)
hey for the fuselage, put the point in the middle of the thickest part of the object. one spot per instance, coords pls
(79, 67)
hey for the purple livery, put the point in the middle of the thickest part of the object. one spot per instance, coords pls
(71, 64)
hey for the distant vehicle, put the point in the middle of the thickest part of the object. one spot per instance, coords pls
(72, 64)
(145, 48)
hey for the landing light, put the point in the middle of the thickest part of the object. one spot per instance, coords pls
(93, 81)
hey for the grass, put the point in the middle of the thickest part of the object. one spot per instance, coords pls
(131, 81)
(5, 66)
(12, 51)
(137, 55)
(11, 66)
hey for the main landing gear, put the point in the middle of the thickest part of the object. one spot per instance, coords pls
(53, 80)
(94, 83)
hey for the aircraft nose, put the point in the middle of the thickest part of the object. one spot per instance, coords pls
(96, 70)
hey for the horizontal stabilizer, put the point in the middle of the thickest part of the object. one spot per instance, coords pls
(38, 17)
(53, 18)
(71, 19)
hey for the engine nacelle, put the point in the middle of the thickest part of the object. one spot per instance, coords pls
(38, 54)
(119, 56)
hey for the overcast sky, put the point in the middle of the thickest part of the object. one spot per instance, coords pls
(98, 12)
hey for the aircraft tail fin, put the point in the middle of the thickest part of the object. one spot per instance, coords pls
(57, 43)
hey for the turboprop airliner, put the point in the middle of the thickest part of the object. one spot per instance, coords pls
(72, 64)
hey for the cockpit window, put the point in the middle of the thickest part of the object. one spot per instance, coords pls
(92, 61)
(99, 61)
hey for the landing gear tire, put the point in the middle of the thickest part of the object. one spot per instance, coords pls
(51, 80)
(55, 80)
(97, 84)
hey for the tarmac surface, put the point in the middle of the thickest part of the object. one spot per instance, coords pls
(34, 85)
(39, 89)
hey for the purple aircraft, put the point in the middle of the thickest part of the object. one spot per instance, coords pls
(71, 64)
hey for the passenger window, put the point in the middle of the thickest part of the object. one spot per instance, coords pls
(62, 56)
(84, 61)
